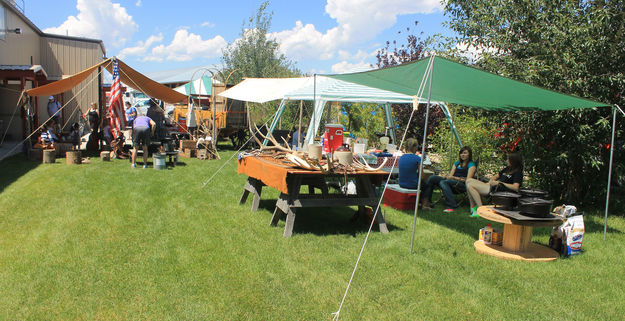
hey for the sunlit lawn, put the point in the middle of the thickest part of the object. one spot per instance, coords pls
(105, 241)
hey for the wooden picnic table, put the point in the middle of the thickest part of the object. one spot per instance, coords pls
(288, 179)
(517, 236)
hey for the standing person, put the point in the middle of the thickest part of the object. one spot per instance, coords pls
(155, 112)
(298, 137)
(463, 170)
(508, 179)
(93, 117)
(107, 135)
(142, 128)
(131, 114)
(74, 136)
(54, 108)
(409, 165)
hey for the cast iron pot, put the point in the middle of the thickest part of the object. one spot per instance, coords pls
(535, 207)
(505, 200)
(168, 144)
(532, 192)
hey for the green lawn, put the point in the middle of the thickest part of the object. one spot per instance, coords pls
(107, 242)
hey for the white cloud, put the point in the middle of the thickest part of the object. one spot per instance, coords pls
(207, 24)
(99, 19)
(186, 46)
(344, 66)
(359, 55)
(141, 48)
(358, 21)
(138, 4)
(472, 52)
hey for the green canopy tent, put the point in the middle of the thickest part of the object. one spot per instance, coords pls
(452, 82)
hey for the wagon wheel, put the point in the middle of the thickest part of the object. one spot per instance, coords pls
(239, 138)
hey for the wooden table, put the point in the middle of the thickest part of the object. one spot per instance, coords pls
(266, 171)
(517, 235)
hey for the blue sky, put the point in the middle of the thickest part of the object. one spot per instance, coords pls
(320, 36)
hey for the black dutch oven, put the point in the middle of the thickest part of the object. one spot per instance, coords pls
(535, 207)
(532, 192)
(168, 144)
(505, 200)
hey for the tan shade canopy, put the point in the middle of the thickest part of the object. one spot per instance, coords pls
(138, 81)
(127, 75)
(66, 84)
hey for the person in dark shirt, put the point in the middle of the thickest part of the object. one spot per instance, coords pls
(463, 169)
(409, 165)
(508, 179)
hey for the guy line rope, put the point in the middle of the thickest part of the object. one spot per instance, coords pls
(336, 315)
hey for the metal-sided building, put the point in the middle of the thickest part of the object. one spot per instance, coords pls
(31, 58)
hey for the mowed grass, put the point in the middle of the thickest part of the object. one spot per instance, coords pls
(106, 242)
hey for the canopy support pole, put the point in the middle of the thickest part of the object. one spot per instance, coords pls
(299, 128)
(607, 197)
(389, 122)
(276, 118)
(425, 131)
(313, 128)
(451, 123)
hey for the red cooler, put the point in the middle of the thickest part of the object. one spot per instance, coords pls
(333, 137)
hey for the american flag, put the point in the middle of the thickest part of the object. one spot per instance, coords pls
(116, 104)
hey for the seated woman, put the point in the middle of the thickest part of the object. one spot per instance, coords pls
(508, 179)
(408, 165)
(463, 169)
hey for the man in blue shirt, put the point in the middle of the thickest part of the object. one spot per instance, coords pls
(131, 114)
(409, 165)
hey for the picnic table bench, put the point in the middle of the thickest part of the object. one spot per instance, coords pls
(282, 176)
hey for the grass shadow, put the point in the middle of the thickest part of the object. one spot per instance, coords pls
(13, 168)
(323, 221)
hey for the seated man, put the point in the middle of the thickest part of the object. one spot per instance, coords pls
(54, 138)
(45, 140)
(409, 165)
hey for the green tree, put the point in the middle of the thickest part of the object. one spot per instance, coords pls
(394, 53)
(477, 131)
(363, 120)
(255, 55)
(574, 47)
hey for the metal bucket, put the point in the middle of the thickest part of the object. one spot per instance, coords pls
(159, 161)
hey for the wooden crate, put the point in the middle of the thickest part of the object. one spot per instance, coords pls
(187, 153)
(202, 154)
(187, 144)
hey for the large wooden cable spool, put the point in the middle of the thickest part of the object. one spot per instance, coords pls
(73, 157)
(49, 156)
